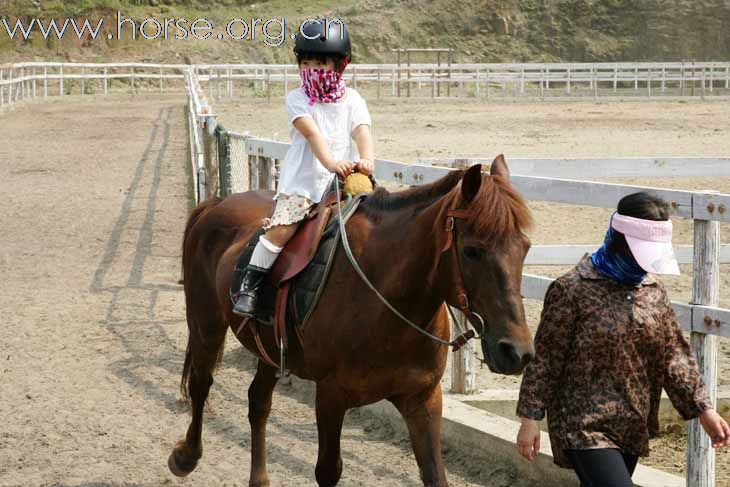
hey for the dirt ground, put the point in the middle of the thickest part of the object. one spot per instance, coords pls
(407, 130)
(93, 328)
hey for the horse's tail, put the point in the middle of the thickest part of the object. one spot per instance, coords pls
(193, 217)
(188, 259)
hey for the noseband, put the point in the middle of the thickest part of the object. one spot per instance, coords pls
(461, 298)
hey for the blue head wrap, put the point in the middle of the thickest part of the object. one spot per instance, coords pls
(622, 268)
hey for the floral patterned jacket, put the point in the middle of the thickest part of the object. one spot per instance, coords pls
(604, 351)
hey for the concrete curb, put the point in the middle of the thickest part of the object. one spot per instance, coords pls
(480, 433)
(503, 402)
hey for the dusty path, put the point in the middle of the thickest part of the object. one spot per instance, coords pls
(93, 330)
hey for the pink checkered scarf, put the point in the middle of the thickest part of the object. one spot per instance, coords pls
(322, 85)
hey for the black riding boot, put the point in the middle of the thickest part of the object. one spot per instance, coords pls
(253, 276)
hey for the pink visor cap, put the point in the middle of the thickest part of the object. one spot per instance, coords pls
(650, 243)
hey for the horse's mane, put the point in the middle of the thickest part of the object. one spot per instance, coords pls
(497, 211)
(382, 200)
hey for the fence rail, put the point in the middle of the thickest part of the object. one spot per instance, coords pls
(554, 81)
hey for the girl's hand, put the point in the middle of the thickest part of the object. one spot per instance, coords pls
(716, 428)
(366, 167)
(528, 439)
(341, 168)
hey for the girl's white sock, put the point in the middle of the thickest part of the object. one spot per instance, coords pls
(265, 253)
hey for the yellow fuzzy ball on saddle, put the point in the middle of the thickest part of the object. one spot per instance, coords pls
(357, 183)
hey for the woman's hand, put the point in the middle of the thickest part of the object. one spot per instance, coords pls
(341, 168)
(716, 428)
(528, 439)
(366, 167)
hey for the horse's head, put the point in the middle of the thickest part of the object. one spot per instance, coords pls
(490, 245)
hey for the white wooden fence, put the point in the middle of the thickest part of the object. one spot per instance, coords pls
(536, 80)
(548, 81)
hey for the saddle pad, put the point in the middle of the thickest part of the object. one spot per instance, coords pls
(306, 286)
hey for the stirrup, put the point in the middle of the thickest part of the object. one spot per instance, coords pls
(282, 371)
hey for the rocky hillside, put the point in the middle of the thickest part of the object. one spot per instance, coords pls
(479, 31)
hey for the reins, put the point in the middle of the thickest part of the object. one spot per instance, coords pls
(462, 297)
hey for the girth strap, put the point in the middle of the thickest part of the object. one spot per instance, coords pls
(257, 339)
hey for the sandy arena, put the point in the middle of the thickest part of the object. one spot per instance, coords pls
(94, 331)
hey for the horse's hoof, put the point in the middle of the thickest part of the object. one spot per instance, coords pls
(180, 468)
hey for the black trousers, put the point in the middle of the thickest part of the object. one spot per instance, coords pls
(603, 467)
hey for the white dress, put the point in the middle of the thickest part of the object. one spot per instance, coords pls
(301, 172)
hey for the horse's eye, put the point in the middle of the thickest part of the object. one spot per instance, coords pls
(473, 253)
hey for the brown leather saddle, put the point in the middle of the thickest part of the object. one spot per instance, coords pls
(291, 290)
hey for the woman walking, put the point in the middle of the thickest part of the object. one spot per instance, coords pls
(607, 344)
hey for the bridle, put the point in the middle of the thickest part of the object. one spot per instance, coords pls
(462, 298)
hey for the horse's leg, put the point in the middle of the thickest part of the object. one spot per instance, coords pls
(330, 410)
(200, 360)
(422, 414)
(259, 406)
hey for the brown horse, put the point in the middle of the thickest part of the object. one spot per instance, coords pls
(356, 350)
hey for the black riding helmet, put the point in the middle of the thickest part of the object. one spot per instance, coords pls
(312, 40)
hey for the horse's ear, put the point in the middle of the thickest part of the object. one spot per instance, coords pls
(499, 167)
(471, 182)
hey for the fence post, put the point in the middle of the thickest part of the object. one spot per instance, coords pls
(210, 151)
(253, 171)
(648, 82)
(2, 89)
(45, 81)
(106, 80)
(408, 75)
(224, 162)
(83, 81)
(433, 83)
(265, 169)
(379, 71)
(463, 370)
(286, 82)
(712, 77)
(706, 291)
(567, 84)
(34, 82)
(522, 81)
(478, 88)
(681, 81)
(60, 83)
(10, 87)
(636, 79)
(202, 183)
